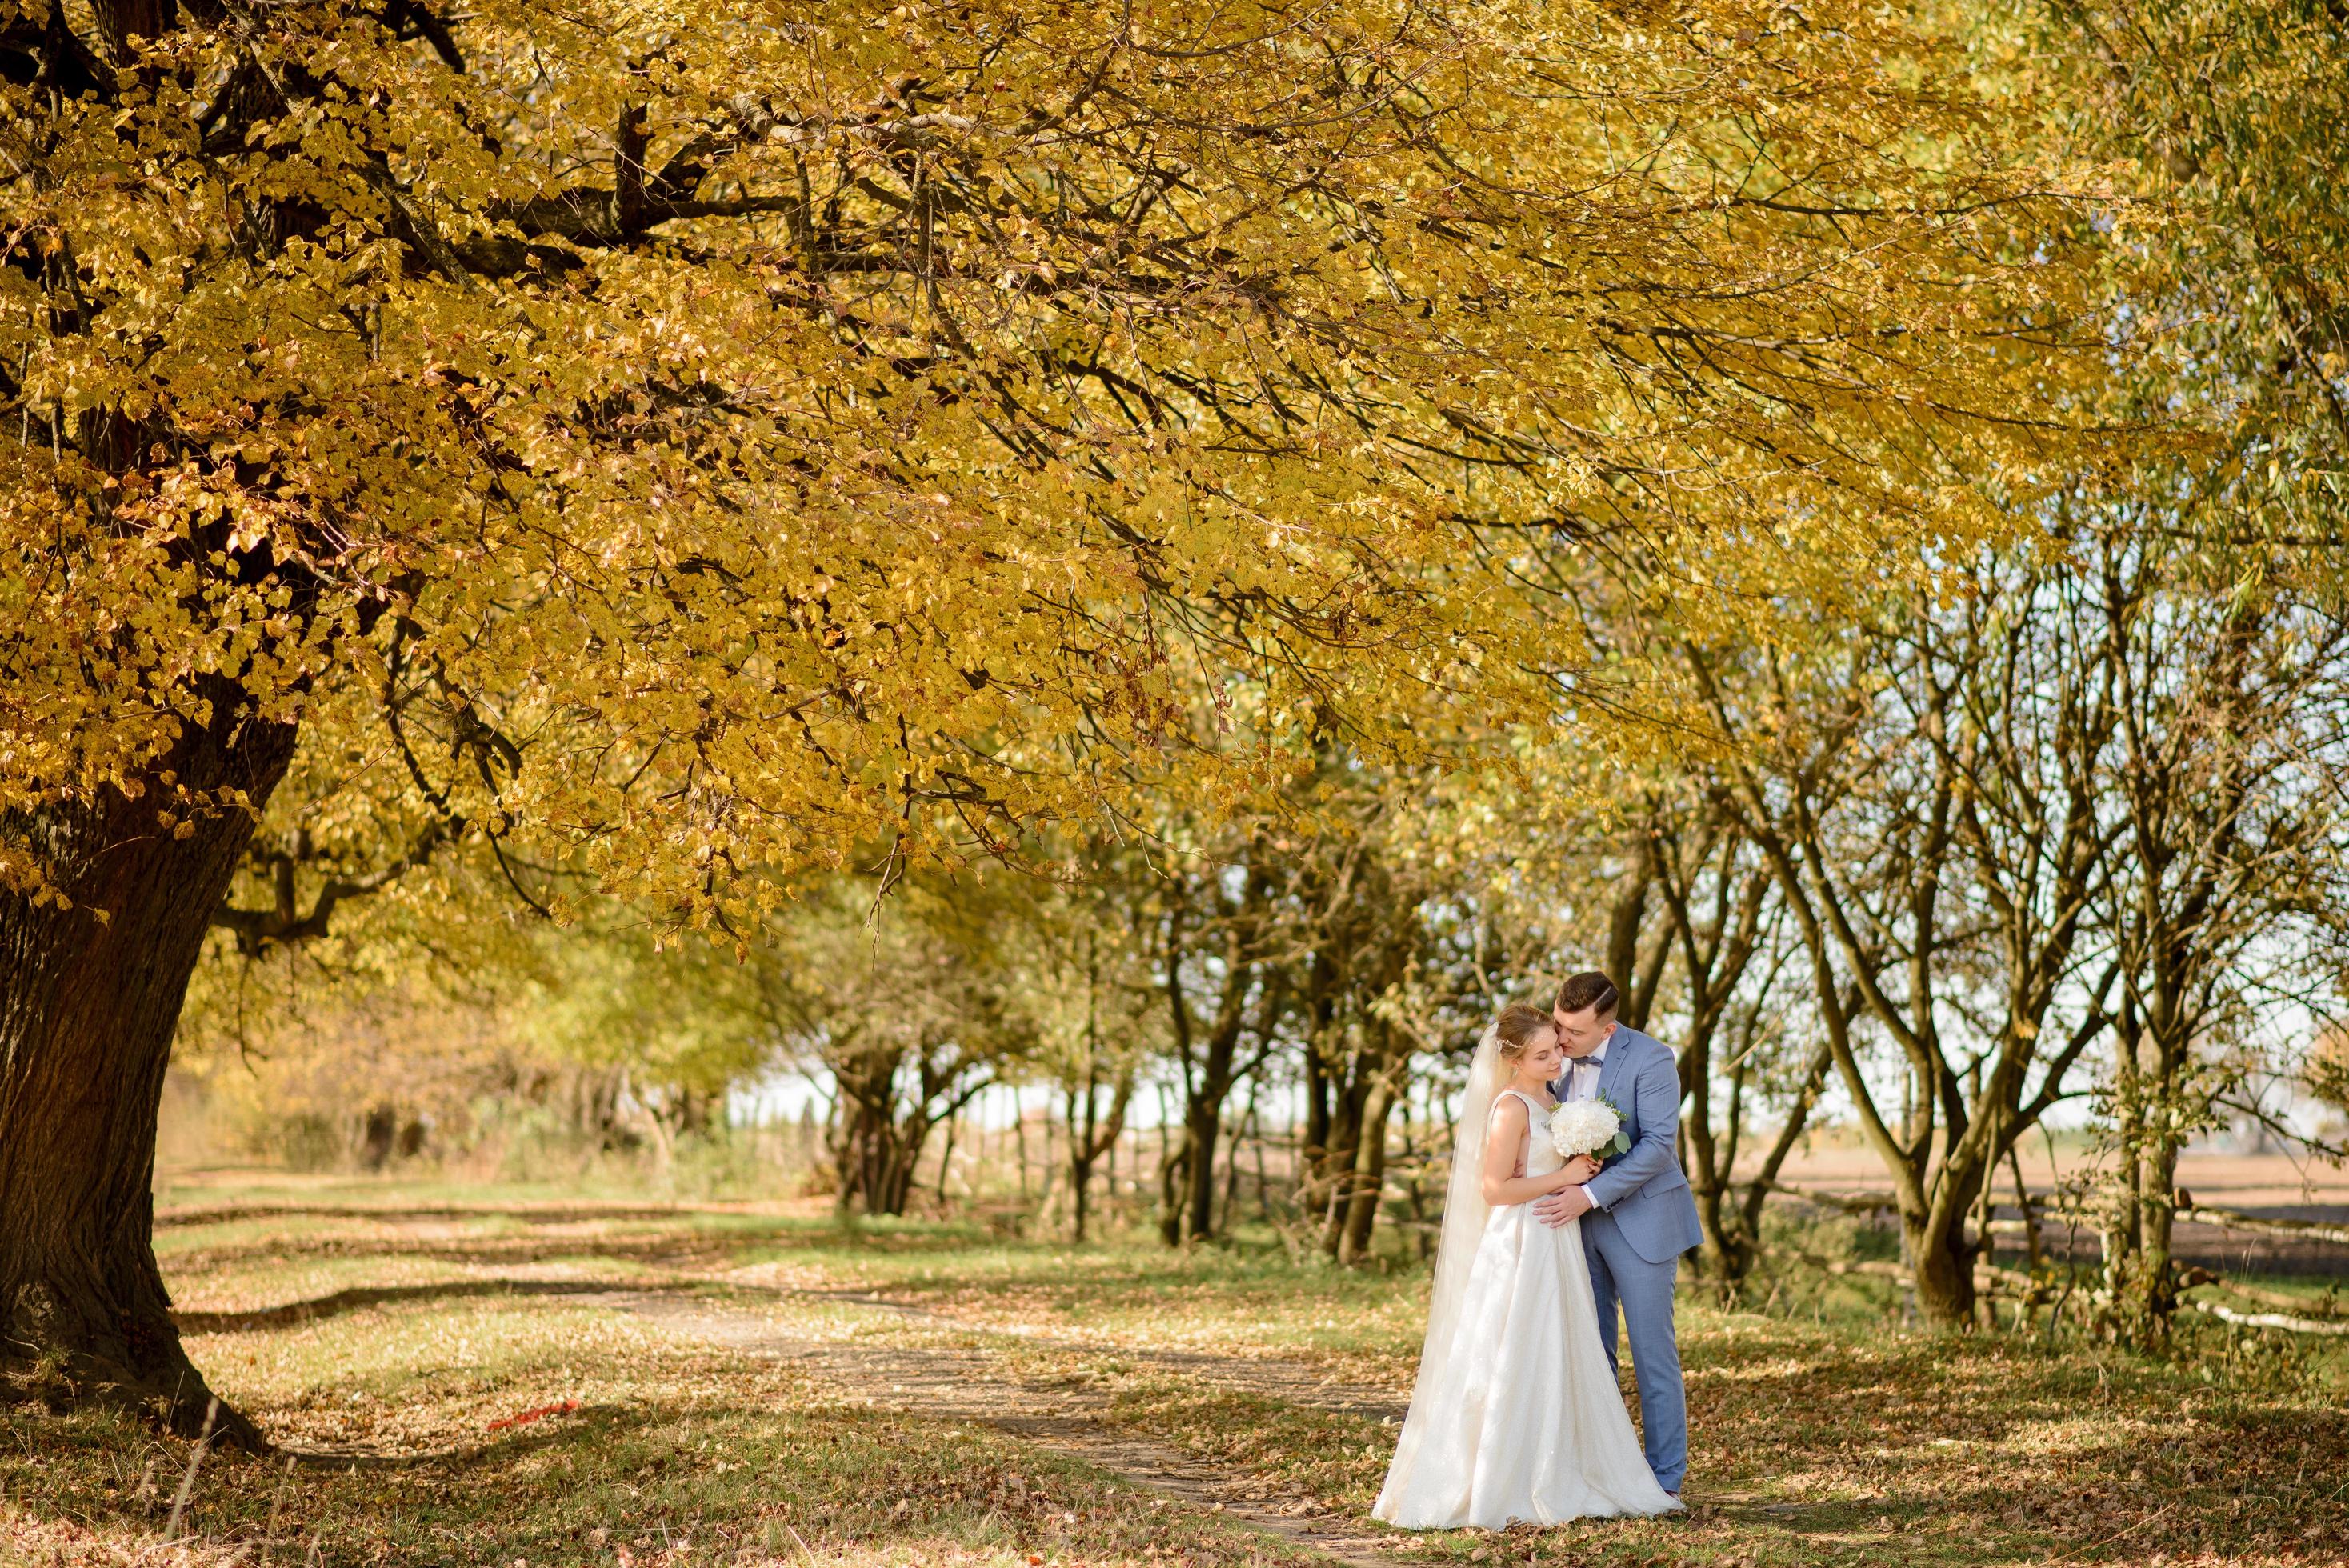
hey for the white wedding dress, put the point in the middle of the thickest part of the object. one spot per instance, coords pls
(1515, 1416)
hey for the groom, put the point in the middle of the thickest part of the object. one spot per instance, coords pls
(1638, 1216)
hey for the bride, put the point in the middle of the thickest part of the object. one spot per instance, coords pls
(1515, 1416)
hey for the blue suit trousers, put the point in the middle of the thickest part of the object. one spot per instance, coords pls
(1619, 1275)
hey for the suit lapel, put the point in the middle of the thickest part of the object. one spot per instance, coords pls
(1611, 1070)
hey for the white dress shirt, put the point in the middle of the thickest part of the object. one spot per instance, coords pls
(1582, 1072)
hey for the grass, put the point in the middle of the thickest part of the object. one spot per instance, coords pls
(1823, 1433)
(669, 1456)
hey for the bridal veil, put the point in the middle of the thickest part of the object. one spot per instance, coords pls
(1464, 1213)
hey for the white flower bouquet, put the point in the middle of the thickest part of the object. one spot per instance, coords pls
(1587, 1126)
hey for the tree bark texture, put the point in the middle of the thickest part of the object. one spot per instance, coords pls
(1204, 1127)
(875, 1156)
(90, 999)
(1210, 1063)
(1368, 1183)
(1093, 1135)
(1173, 1163)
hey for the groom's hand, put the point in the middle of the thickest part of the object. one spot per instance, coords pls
(1560, 1207)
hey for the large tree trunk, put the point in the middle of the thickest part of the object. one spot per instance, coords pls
(1210, 1066)
(1090, 1136)
(89, 997)
(1735, 1247)
(1204, 1127)
(1344, 1134)
(875, 1156)
(1313, 1172)
(857, 1132)
(1173, 1163)
(2124, 1232)
(877, 1137)
(2145, 1294)
(2157, 1278)
(1369, 1177)
(1940, 1253)
(1945, 1277)
(898, 1178)
(1081, 1182)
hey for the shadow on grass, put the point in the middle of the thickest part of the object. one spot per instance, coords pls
(290, 1314)
(669, 1249)
(680, 1237)
(294, 1313)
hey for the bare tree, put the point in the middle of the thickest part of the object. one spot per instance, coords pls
(2229, 779)
(1922, 784)
(1224, 1004)
(1094, 1006)
(1732, 1023)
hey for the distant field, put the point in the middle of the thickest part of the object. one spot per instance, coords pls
(2239, 1180)
(2270, 1185)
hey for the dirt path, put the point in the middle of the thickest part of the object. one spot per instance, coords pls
(1290, 1382)
(955, 1384)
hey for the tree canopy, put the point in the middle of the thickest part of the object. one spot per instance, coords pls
(703, 449)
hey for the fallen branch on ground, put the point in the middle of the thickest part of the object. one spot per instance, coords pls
(2010, 1282)
(2236, 1219)
(1892, 1272)
(1866, 1205)
(2266, 1319)
(2003, 1285)
(2194, 1278)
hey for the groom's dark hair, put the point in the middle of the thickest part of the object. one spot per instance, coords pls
(1588, 992)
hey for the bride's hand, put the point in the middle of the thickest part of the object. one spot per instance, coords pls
(1578, 1170)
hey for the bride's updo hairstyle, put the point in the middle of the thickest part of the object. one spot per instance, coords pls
(1518, 1028)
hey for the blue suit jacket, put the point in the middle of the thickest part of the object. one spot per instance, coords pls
(1643, 1189)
